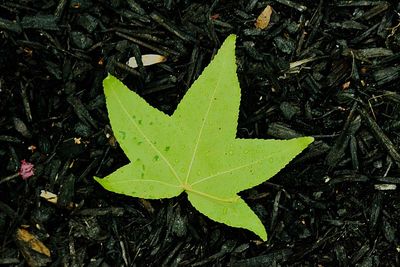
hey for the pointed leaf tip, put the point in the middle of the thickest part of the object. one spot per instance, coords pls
(107, 82)
(308, 140)
(108, 78)
(230, 43)
(231, 38)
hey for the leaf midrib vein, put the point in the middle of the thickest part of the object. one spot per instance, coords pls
(202, 127)
(229, 200)
(147, 139)
(146, 180)
(227, 171)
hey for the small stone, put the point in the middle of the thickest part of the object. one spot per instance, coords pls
(81, 40)
(289, 110)
(88, 22)
(284, 44)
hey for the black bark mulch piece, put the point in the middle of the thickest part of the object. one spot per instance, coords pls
(328, 69)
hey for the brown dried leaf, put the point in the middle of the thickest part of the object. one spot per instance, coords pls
(32, 242)
(263, 19)
(34, 251)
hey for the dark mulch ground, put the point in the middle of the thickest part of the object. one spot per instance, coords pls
(336, 205)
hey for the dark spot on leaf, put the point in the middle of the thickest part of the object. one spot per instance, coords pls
(140, 122)
(156, 158)
(167, 148)
(123, 134)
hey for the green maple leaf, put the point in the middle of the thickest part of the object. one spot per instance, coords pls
(195, 150)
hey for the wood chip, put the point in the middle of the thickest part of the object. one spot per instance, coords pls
(53, 198)
(149, 59)
(385, 187)
(264, 18)
(49, 196)
(380, 136)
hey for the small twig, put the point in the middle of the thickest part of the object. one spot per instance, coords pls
(9, 178)
(380, 136)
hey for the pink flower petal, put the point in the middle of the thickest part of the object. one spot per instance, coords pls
(26, 170)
